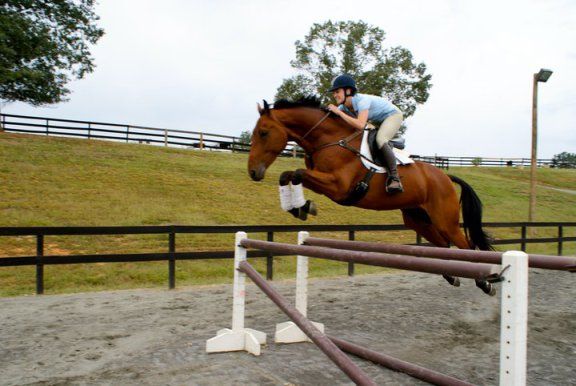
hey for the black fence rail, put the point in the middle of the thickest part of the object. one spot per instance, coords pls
(171, 255)
(206, 141)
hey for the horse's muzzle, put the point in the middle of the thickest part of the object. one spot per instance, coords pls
(257, 174)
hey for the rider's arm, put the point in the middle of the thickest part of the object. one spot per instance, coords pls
(358, 123)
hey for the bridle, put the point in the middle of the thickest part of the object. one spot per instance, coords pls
(344, 143)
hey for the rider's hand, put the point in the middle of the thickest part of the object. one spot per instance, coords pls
(334, 109)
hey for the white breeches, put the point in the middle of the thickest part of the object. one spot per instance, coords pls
(389, 128)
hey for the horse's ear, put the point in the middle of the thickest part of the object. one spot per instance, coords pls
(265, 109)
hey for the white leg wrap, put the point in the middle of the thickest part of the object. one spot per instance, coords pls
(285, 197)
(298, 199)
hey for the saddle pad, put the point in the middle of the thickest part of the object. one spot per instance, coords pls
(402, 157)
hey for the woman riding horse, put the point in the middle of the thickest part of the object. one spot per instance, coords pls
(359, 109)
(430, 204)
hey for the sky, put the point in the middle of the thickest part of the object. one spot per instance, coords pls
(204, 65)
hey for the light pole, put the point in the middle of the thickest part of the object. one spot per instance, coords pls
(542, 76)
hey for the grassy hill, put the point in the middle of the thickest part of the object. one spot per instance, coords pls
(49, 181)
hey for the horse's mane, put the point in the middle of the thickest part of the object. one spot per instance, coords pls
(305, 101)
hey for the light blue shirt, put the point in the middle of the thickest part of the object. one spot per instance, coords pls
(378, 107)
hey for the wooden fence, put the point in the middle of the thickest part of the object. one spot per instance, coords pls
(206, 141)
(171, 255)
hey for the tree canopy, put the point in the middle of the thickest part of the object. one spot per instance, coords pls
(43, 45)
(357, 49)
(565, 160)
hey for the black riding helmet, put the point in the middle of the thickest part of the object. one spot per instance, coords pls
(344, 81)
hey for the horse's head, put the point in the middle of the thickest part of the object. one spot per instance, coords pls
(269, 139)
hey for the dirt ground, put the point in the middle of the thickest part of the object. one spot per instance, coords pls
(153, 337)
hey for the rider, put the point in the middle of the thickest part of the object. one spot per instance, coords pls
(358, 109)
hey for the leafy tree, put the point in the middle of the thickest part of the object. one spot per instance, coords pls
(356, 48)
(243, 143)
(43, 45)
(245, 137)
(564, 160)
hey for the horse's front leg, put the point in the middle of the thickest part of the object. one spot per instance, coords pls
(292, 196)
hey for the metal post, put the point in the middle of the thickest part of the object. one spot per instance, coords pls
(166, 137)
(351, 237)
(533, 160)
(172, 260)
(89, 129)
(270, 259)
(127, 133)
(47, 127)
(560, 236)
(39, 265)
(523, 238)
(201, 141)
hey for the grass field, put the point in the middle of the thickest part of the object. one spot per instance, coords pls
(49, 181)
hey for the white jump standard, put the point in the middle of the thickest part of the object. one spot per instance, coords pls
(238, 338)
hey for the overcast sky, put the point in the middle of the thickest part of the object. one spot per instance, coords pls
(203, 65)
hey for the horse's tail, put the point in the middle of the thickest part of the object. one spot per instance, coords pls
(472, 215)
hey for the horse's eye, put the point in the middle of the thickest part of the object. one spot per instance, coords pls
(263, 134)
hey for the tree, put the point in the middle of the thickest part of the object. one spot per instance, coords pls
(43, 45)
(245, 137)
(355, 48)
(243, 143)
(564, 160)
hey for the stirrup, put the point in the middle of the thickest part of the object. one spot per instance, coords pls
(392, 190)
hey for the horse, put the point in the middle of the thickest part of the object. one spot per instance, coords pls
(430, 204)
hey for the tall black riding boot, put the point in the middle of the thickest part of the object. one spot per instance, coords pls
(393, 184)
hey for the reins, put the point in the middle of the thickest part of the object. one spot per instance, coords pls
(316, 125)
(342, 142)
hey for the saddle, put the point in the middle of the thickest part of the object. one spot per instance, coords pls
(370, 156)
(397, 143)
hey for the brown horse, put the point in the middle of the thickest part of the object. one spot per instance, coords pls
(429, 203)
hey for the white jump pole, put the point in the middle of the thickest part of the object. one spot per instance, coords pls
(288, 332)
(514, 319)
(238, 338)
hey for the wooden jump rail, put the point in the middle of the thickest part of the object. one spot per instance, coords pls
(454, 268)
(513, 273)
(490, 257)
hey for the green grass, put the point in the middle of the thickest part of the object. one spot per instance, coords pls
(48, 181)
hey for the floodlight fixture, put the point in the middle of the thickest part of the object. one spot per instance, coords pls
(543, 75)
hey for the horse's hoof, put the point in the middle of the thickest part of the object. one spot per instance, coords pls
(310, 207)
(295, 212)
(486, 287)
(302, 214)
(454, 281)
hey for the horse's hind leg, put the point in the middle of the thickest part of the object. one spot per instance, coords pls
(418, 220)
(453, 232)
